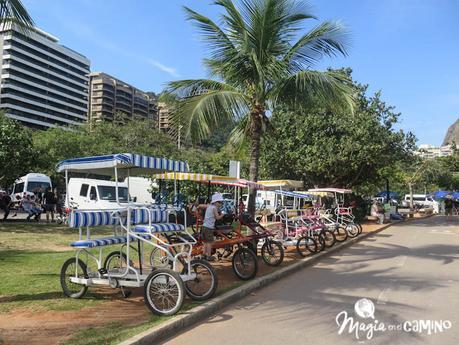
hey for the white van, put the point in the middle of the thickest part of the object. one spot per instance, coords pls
(422, 200)
(140, 189)
(26, 185)
(90, 194)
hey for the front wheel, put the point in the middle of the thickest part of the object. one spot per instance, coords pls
(306, 244)
(245, 264)
(352, 230)
(272, 253)
(164, 292)
(329, 238)
(160, 259)
(340, 234)
(204, 285)
(73, 268)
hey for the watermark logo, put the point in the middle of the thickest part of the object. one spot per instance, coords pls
(364, 308)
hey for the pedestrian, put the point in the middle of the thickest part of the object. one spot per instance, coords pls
(377, 211)
(5, 204)
(448, 205)
(49, 204)
(212, 214)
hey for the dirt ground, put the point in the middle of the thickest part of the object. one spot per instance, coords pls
(54, 327)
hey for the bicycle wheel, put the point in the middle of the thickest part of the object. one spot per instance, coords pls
(352, 230)
(164, 292)
(272, 253)
(360, 227)
(340, 234)
(73, 268)
(306, 244)
(115, 260)
(319, 241)
(245, 264)
(329, 238)
(204, 285)
(160, 259)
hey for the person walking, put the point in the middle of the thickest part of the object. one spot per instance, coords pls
(5, 204)
(49, 204)
(377, 211)
(448, 205)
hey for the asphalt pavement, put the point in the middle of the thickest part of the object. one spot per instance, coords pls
(408, 272)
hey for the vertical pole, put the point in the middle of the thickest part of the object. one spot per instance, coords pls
(387, 191)
(67, 200)
(116, 185)
(128, 184)
(410, 185)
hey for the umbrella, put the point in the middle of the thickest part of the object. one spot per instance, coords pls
(392, 195)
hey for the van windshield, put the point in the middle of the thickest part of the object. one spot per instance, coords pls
(34, 185)
(109, 193)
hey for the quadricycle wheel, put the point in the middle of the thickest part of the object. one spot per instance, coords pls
(272, 253)
(73, 268)
(245, 263)
(164, 292)
(306, 244)
(205, 283)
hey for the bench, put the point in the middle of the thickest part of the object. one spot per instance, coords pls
(158, 217)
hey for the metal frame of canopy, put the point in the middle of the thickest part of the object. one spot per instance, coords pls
(281, 185)
(120, 165)
(326, 191)
(210, 179)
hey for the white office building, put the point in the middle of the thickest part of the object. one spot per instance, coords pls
(43, 83)
(430, 151)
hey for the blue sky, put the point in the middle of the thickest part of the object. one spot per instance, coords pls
(406, 48)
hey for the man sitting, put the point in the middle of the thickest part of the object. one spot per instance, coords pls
(28, 204)
(378, 211)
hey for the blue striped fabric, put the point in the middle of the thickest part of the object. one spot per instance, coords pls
(159, 227)
(124, 160)
(140, 216)
(105, 241)
(91, 218)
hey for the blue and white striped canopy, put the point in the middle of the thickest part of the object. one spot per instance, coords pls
(293, 194)
(137, 164)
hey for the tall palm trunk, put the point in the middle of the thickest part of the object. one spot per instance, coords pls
(255, 128)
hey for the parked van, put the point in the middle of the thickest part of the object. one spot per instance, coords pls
(30, 183)
(140, 189)
(88, 194)
(422, 200)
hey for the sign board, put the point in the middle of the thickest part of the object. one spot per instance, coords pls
(235, 169)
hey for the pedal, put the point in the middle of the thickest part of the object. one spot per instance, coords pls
(103, 271)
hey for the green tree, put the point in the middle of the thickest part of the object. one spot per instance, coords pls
(17, 154)
(335, 148)
(259, 59)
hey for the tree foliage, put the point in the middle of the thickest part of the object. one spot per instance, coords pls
(336, 148)
(17, 154)
(260, 57)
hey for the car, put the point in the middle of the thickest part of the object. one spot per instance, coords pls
(421, 200)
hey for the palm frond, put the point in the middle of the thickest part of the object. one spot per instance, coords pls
(13, 11)
(330, 88)
(327, 39)
(204, 105)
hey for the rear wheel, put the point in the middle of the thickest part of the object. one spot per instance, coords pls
(160, 259)
(329, 238)
(73, 268)
(245, 264)
(306, 244)
(352, 230)
(340, 234)
(164, 292)
(272, 253)
(204, 285)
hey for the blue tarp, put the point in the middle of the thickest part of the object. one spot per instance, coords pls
(293, 194)
(440, 194)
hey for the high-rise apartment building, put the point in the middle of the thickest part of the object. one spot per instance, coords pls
(164, 117)
(110, 97)
(42, 83)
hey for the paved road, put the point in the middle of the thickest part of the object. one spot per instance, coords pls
(410, 272)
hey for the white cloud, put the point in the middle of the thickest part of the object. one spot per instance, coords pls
(170, 70)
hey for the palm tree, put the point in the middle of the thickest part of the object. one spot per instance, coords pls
(13, 11)
(259, 59)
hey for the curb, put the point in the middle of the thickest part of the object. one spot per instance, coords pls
(182, 321)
